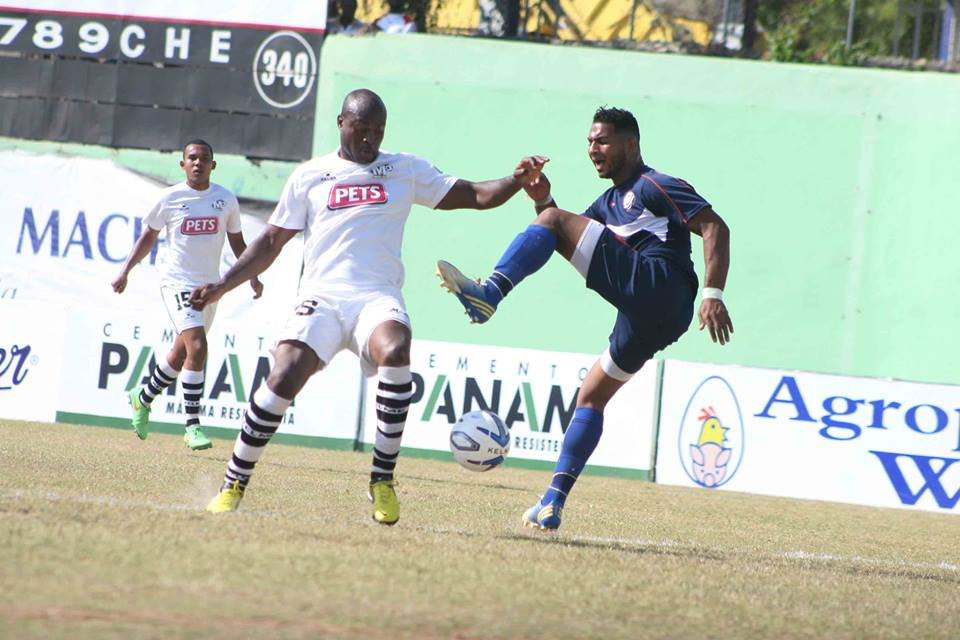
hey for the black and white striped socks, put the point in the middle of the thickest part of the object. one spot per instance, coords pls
(260, 422)
(192, 383)
(394, 389)
(162, 377)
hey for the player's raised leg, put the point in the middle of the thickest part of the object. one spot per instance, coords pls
(294, 363)
(579, 441)
(389, 348)
(554, 229)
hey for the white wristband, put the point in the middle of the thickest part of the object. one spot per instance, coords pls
(544, 202)
(712, 293)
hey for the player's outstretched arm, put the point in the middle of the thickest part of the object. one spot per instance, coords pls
(141, 248)
(716, 258)
(258, 256)
(493, 193)
(238, 246)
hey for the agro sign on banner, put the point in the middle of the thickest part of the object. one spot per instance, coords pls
(533, 391)
(31, 344)
(109, 353)
(804, 435)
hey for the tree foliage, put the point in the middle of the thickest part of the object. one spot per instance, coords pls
(815, 30)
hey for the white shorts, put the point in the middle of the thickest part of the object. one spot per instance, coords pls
(182, 315)
(330, 323)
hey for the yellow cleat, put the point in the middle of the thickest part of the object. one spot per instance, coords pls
(386, 507)
(227, 500)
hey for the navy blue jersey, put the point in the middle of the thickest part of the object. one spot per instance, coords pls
(649, 211)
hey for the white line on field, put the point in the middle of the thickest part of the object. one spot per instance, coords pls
(805, 556)
(639, 543)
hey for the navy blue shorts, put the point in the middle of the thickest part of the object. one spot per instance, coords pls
(654, 299)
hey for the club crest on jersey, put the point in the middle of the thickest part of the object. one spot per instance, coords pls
(629, 199)
(199, 226)
(382, 170)
(352, 195)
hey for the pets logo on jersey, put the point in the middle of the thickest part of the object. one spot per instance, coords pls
(199, 226)
(352, 195)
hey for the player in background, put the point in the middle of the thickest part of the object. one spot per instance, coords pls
(196, 215)
(351, 205)
(632, 246)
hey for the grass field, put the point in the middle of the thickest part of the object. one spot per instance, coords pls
(104, 536)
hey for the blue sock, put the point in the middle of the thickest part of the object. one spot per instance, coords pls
(529, 251)
(581, 439)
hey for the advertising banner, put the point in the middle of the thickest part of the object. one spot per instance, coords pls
(108, 353)
(31, 345)
(153, 74)
(67, 224)
(535, 393)
(805, 435)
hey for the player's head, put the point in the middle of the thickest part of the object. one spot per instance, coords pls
(362, 121)
(197, 163)
(613, 143)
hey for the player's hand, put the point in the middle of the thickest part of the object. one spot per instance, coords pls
(205, 294)
(529, 168)
(539, 188)
(713, 314)
(257, 287)
(119, 283)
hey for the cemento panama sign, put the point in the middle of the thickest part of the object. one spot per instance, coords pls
(860, 440)
(110, 353)
(534, 392)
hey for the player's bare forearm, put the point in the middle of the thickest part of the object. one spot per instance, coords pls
(480, 195)
(716, 257)
(141, 249)
(237, 244)
(256, 257)
(716, 247)
(493, 193)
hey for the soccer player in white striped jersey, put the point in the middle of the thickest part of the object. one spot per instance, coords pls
(351, 205)
(197, 216)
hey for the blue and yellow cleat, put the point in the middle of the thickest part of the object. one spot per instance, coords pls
(471, 293)
(545, 517)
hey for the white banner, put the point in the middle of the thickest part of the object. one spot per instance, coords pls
(859, 440)
(31, 344)
(288, 13)
(67, 224)
(533, 391)
(109, 353)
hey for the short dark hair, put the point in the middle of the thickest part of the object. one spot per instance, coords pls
(621, 119)
(199, 141)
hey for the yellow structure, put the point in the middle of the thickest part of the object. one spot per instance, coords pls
(589, 20)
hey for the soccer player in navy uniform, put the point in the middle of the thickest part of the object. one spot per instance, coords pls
(632, 246)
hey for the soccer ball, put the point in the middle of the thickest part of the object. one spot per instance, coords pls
(479, 440)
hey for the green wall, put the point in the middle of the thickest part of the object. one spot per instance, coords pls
(839, 186)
